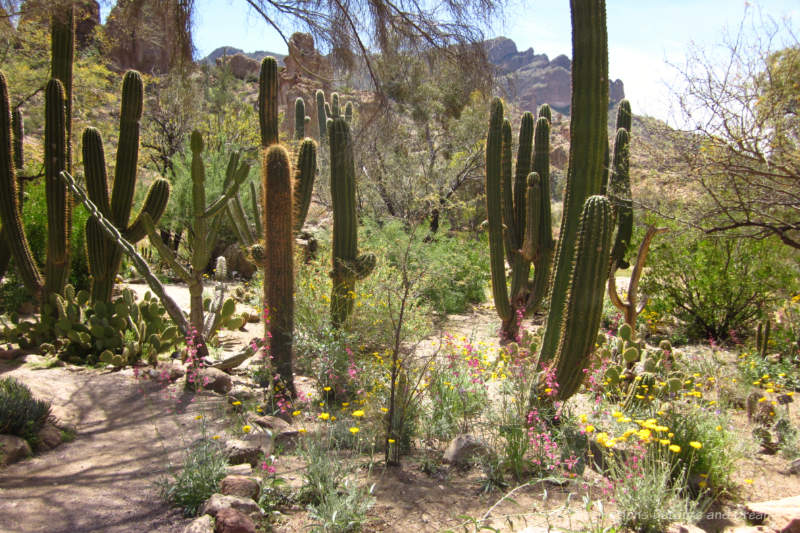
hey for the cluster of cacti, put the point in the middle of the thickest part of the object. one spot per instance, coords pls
(238, 171)
(101, 328)
(138, 261)
(104, 256)
(220, 313)
(329, 111)
(347, 264)
(285, 205)
(205, 227)
(762, 337)
(58, 106)
(518, 213)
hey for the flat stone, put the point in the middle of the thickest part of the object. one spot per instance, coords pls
(218, 502)
(287, 440)
(782, 515)
(65, 417)
(240, 451)
(463, 449)
(13, 449)
(233, 521)
(241, 486)
(272, 423)
(243, 469)
(202, 524)
(794, 467)
(242, 392)
(167, 371)
(49, 437)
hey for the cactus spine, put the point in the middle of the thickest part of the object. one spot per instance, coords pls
(299, 119)
(588, 113)
(584, 304)
(104, 256)
(347, 265)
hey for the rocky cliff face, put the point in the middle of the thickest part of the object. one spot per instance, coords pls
(531, 80)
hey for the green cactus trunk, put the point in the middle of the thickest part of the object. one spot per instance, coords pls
(543, 259)
(62, 44)
(347, 265)
(588, 113)
(299, 119)
(619, 192)
(59, 208)
(18, 134)
(584, 305)
(279, 262)
(268, 101)
(103, 253)
(304, 174)
(322, 116)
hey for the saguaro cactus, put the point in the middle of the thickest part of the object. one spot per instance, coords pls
(347, 265)
(299, 119)
(515, 217)
(18, 134)
(588, 117)
(104, 256)
(322, 115)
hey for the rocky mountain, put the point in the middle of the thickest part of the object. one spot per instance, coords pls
(231, 51)
(531, 79)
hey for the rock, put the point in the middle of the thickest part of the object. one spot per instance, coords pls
(232, 521)
(249, 448)
(241, 486)
(272, 423)
(243, 469)
(287, 440)
(241, 66)
(167, 371)
(794, 467)
(241, 392)
(616, 91)
(562, 61)
(463, 449)
(782, 515)
(237, 259)
(202, 524)
(214, 380)
(49, 437)
(306, 71)
(217, 502)
(11, 354)
(559, 157)
(64, 417)
(13, 449)
(683, 528)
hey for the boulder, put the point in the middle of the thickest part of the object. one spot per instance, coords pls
(238, 261)
(463, 450)
(287, 440)
(201, 524)
(217, 502)
(214, 380)
(782, 515)
(13, 449)
(49, 437)
(794, 467)
(233, 521)
(248, 449)
(242, 486)
(167, 371)
(272, 423)
(243, 469)
(241, 66)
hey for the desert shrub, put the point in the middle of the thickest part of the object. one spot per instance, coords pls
(716, 287)
(202, 470)
(21, 414)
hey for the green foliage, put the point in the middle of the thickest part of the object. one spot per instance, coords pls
(717, 288)
(202, 470)
(22, 414)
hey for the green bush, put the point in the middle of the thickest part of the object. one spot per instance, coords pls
(21, 414)
(203, 469)
(716, 287)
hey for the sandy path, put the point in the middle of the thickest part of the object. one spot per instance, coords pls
(103, 481)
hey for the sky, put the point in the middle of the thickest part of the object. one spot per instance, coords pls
(643, 35)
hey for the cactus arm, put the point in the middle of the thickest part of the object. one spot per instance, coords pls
(163, 250)
(239, 222)
(305, 172)
(227, 195)
(58, 207)
(348, 112)
(531, 244)
(543, 260)
(128, 148)
(155, 203)
(254, 207)
(588, 118)
(299, 119)
(322, 117)
(335, 109)
(507, 198)
(268, 101)
(494, 146)
(10, 207)
(619, 191)
(585, 301)
(138, 261)
(624, 116)
(521, 171)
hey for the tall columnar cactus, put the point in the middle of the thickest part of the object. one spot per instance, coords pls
(299, 119)
(584, 304)
(16, 142)
(322, 116)
(62, 44)
(542, 257)
(268, 101)
(304, 174)
(59, 208)
(588, 113)
(514, 213)
(347, 265)
(205, 226)
(348, 112)
(104, 256)
(234, 207)
(279, 261)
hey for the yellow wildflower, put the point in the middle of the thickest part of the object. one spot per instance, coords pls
(354, 430)
(295, 413)
(246, 429)
(589, 429)
(358, 413)
(674, 448)
(696, 445)
(324, 416)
